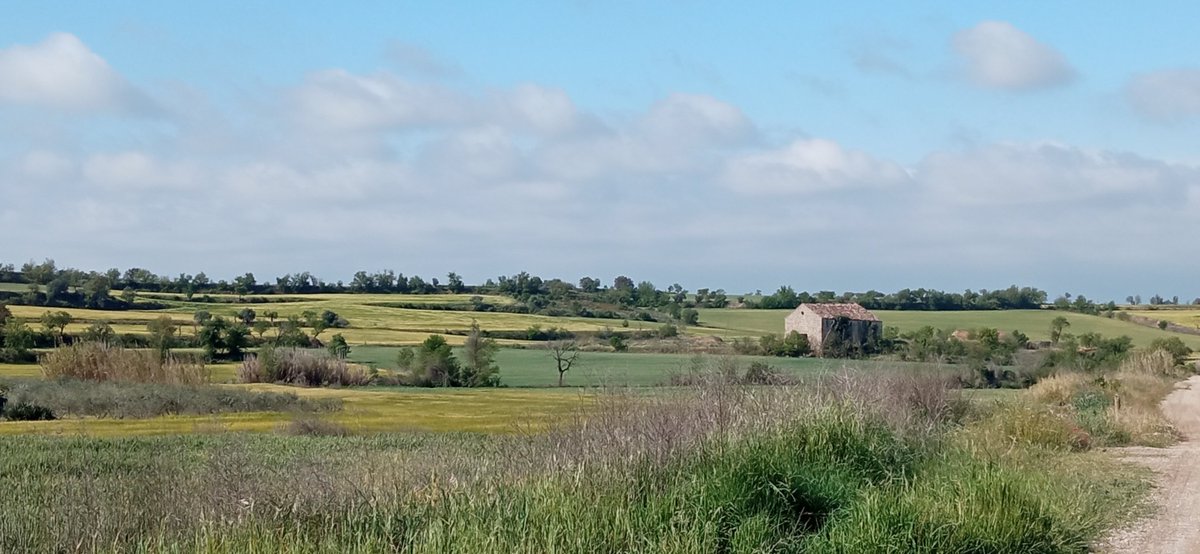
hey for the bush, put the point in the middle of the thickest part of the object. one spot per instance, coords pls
(93, 361)
(69, 397)
(667, 331)
(23, 411)
(313, 427)
(300, 367)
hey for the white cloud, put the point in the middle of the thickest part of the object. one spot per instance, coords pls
(1166, 96)
(62, 73)
(998, 55)
(541, 109)
(134, 170)
(1051, 175)
(696, 118)
(338, 100)
(808, 166)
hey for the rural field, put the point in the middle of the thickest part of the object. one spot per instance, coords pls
(1035, 323)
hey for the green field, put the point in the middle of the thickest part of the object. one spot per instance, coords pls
(14, 287)
(1035, 323)
(533, 367)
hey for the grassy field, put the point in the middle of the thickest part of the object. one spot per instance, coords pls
(365, 410)
(1035, 323)
(533, 367)
(14, 287)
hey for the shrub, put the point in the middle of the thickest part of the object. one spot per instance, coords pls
(69, 397)
(1175, 347)
(23, 411)
(617, 342)
(93, 361)
(312, 427)
(300, 367)
(667, 331)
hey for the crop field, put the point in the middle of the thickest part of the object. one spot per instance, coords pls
(1188, 316)
(533, 367)
(365, 410)
(371, 321)
(1035, 323)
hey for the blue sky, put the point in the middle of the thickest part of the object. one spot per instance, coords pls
(850, 146)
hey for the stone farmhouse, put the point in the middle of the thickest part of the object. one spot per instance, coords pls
(818, 321)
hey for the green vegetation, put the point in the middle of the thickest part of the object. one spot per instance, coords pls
(873, 463)
(535, 367)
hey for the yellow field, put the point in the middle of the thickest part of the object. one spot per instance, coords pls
(364, 411)
(1188, 316)
(370, 323)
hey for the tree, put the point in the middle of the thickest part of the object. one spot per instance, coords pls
(433, 363)
(95, 291)
(479, 359)
(244, 284)
(162, 333)
(212, 335)
(271, 316)
(5, 313)
(690, 316)
(247, 316)
(56, 290)
(53, 321)
(236, 339)
(1056, 328)
(338, 347)
(129, 295)
(565, 354)
(454, 283)
(18, 339)
(617, 342)
(316, 322)
(260, 328)
(589, 284)
(101, 332)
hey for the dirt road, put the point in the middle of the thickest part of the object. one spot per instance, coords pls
(1175, 528)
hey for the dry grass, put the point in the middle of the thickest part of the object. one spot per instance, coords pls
(99, 362)
(300, 367)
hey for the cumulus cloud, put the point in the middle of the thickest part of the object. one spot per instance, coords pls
(808, 166)
(61, 72)
(1055, 174)
(1166, 96)
(998, 55)
(426, 177)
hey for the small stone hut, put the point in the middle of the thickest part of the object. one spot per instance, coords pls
(819, 320)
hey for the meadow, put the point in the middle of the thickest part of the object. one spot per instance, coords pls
(532, 366)
(857, 466)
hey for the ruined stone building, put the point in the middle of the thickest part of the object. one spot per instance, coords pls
(850, 324)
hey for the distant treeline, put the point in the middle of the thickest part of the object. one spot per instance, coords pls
(1011, 298)
(624, 298)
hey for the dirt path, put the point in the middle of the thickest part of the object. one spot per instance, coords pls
(1175, 528)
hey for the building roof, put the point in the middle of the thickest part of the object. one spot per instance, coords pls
(852, 311)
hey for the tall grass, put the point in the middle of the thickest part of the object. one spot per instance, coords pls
(74, 398)
(93, 361)
(300, 367)
(850, 464)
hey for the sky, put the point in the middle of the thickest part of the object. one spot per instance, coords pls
(848, 146)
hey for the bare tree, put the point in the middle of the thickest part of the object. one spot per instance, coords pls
(565, 354)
